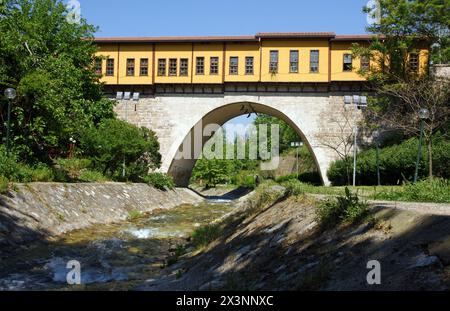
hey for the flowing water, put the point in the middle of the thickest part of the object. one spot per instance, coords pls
(112, 257)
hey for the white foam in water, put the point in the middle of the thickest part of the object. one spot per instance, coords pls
(142, 233)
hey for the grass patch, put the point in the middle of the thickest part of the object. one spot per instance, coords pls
(202, 236)
(92, 176)
(434, 190)
(133, 215)
(348, 209)
(4, 185)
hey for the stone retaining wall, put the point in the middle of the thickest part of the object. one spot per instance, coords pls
(48, 209)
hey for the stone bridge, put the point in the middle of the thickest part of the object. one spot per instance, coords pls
(317, 117)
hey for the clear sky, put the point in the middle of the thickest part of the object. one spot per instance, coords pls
(222, 17)
(116, 18)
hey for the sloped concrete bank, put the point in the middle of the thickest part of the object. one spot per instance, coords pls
(39, 210)
(282, 247)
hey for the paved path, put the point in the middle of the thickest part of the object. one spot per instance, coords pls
(424, 208)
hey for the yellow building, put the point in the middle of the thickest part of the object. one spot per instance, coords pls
(319, 58)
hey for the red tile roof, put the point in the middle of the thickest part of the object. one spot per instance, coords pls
(175, 39)
(260, 35)
(295, 35)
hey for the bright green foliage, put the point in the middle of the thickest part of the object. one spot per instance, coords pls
(287, 134)
(91, 176)
(346, 208)
(246, 179)
(42, 173)
(49, 61)
(159, 181)
(212, 172)
(4, 184)
(115, 141)
(397, 164)
(434, 190)
(404, 23)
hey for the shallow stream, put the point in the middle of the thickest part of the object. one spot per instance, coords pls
(112, 257)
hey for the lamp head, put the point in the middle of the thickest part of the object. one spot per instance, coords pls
(424, 114)
(376, 134)
(10, 93)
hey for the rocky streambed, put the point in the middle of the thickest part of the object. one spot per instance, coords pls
(115, 256)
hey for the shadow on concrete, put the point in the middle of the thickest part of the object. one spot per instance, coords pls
(229, 196)
(272, 257)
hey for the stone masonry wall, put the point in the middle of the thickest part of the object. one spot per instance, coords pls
(173, 116)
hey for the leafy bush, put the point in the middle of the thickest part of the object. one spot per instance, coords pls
(246, 179)
(204, 235)
(346, 208)
(397, 163)
(114, 141)
(71, 169)
(42, 173)
(159, 180)
(4, 185)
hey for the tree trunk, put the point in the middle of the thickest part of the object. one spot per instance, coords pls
(430, 157)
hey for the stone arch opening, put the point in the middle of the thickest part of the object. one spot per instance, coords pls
(181, 168)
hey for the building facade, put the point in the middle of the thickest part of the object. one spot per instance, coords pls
(266, 58)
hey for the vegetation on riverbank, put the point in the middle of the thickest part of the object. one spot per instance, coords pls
(63, 128)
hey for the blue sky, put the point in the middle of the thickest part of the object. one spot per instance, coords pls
(222, 17)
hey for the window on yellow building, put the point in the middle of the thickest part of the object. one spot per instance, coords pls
(98, 66)
(348, 62)
(249, 65)
(200, 66)
(110, 67)
(144, 67)
(273, 65)
(293, 62)
(161, 67)
(184, 66)
(214, 66)
(365, 62)
(234, 65)
(130, 67)
(314, 61)
(414, 62)
(173, 67)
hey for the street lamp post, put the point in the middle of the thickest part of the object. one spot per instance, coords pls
(359, 102)
(375, 136)
(297, 145)
(423, 115)
(10, 93)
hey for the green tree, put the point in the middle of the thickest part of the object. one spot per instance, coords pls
(115, 141)
(403, 28)
(49, 61)
(287, 133)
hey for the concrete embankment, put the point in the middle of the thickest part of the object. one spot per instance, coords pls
(281, 246)
(48, 209)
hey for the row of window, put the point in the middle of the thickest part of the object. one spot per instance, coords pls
(234, 65)
(200, 66)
